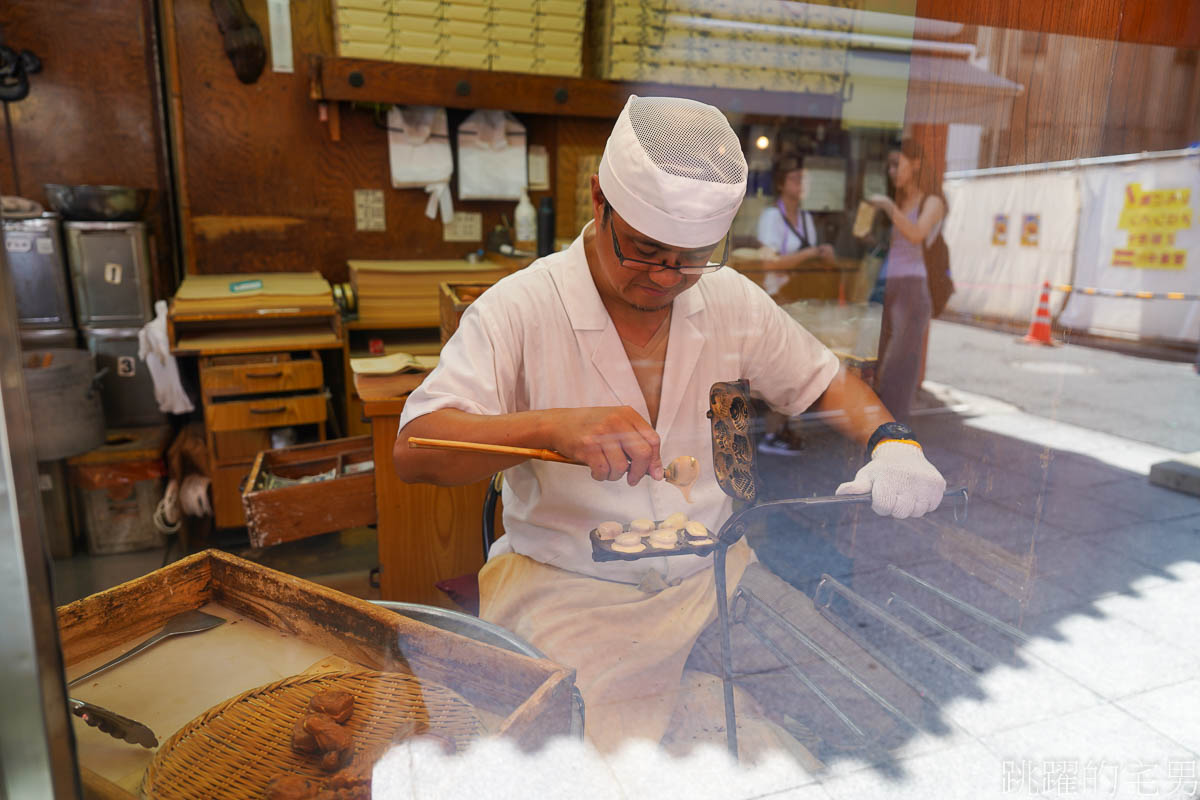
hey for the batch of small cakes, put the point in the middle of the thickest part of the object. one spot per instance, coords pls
(642, 534)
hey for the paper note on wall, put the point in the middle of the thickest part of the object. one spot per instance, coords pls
(825, 184)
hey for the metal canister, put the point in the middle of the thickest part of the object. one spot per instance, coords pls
(39, 273)
(110, 272)
(127, 388)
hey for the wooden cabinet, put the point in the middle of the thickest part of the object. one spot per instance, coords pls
(344, 497)
(245, 396)
(427, 533)
(264, 412)
(271, 372)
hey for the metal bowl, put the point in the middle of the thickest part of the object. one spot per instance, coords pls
(481, 631)
(97, 203)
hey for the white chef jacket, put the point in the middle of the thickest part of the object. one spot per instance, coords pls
(541, 338)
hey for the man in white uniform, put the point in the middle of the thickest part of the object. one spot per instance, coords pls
(605, 353)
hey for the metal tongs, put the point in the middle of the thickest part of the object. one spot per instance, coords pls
(113, 724)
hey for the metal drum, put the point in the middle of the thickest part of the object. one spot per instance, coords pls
(49, 338)
(68, 418)
(481, 631)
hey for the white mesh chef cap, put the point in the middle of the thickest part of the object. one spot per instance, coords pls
(674, 170)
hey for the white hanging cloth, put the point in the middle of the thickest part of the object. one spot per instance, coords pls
(155, 350)
(491, 157)
(419, 152)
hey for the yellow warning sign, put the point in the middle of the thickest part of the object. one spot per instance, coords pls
(1152, 219)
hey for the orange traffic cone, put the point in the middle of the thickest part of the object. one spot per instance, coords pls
(1039, 328)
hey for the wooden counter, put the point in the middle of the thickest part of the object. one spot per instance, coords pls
(427, 533)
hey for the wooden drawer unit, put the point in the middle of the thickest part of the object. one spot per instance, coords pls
(246, 395)
(229, 446)
(277, 514)
(227, 494)
(223, 376)
(267, 412)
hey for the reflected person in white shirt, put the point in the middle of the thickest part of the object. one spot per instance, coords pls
(786, 228)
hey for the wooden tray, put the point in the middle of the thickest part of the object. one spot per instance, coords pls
(602, 548)
(295, 512)
(235, 749)
(453, 299)
(528, 700)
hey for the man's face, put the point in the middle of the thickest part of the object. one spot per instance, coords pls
(637, 286)
(643, 288)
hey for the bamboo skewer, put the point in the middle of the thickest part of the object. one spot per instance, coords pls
(496, 449)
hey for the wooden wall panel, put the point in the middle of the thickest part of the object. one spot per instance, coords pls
(89, 117)
(1175, 23)
(1062, 111)
(267, 188)
(576, 138)
(1086, 92)
(1150, 104)
(91, 114)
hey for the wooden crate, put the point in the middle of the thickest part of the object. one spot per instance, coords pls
(295, 512)
(527, 700)
(453, 299)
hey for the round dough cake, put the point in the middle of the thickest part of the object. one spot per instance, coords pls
(675, 521)
(696, 530)
(664, 539)
(609, 530)
(628, 543)
(641, 526)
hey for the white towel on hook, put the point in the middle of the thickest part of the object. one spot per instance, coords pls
(419, 153)
(491, 157)
(155, 350)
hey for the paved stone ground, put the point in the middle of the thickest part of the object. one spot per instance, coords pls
(1088, 656)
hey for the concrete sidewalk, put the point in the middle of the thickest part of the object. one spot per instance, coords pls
(1097, 690)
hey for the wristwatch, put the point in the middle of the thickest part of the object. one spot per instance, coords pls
(890, 431)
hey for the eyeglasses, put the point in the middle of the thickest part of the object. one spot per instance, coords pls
(647, 266)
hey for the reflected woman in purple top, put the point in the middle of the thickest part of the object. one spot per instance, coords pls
(916, 216)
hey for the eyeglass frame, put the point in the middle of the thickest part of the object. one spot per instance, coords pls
(647, 266)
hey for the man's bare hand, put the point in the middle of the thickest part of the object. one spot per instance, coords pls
(613, 441)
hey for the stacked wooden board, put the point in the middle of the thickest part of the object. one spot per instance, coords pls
(532, 36)
(405, 293)
(739, 44)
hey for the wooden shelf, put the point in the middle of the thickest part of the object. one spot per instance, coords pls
(368, 81)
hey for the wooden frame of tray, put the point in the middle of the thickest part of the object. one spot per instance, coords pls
(531, 696)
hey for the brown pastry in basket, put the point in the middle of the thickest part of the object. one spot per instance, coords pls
(292, 787)
(339, 705)
(355, 775)
(334, 760)
(330, 736)
(302, 740)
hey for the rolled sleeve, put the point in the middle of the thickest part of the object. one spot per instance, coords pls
(474, 372)
(786, 365)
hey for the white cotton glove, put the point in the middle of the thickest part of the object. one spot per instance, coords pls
(901, 481)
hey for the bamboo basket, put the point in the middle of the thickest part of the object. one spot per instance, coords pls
(234, 749)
